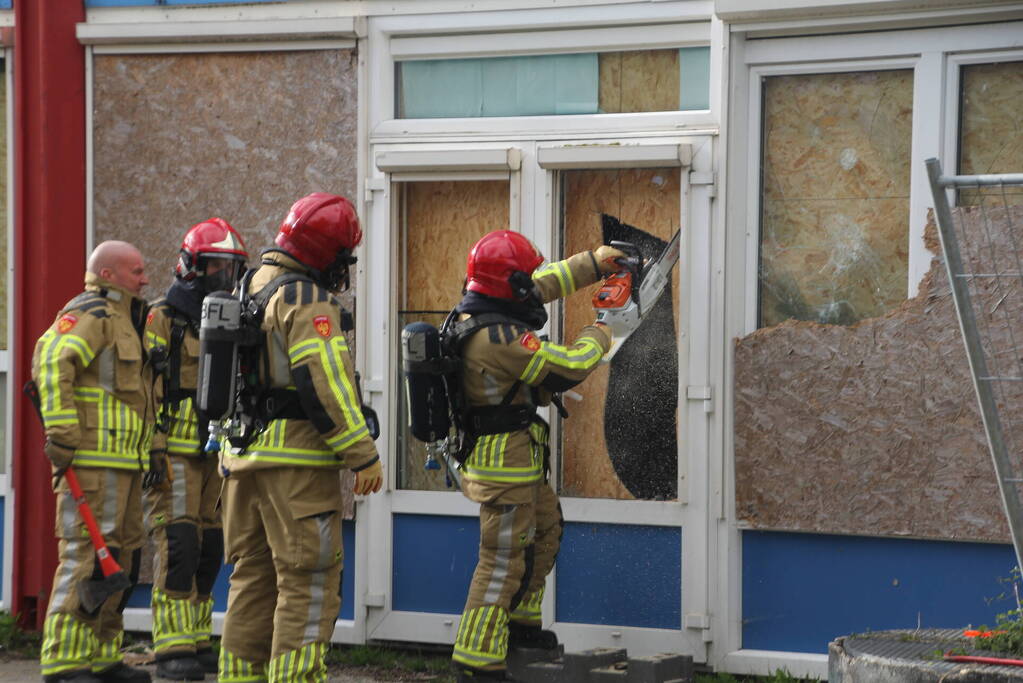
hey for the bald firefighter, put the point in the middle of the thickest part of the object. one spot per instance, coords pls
(507, 372)
(182, 516)
(96, 395)
(282, 494)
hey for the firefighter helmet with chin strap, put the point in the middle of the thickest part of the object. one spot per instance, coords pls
(500, 265)
(213, 253)
(321, 230)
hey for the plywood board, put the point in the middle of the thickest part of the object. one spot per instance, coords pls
(990, 140)
(180, 138)
(835, 195)
(638, 81)
(648, 199)
(442, 221)
(873, 428)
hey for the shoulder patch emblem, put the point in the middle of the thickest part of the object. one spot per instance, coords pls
(66, 322)
(322, 325)
(149, 318)
(530, 341)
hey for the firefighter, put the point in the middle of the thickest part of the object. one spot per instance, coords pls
(508, 371)
(96, 395)
(182, 517)
(282, 495)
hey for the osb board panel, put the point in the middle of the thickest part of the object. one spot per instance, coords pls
(835, 207)
(648, 199)
(992, 117)
(638, 81)
(873, 428)
(442, 221)
(180, 138)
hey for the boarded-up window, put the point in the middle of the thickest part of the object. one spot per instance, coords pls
(439, 223)
(991, 128)
(835, 195)
(590, 83)
(620, 438)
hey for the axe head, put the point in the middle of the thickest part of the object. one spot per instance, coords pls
(94, 592)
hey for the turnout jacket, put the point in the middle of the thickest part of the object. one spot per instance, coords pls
(96, 387)
(498, 357)
(170, 329)
(307, 353)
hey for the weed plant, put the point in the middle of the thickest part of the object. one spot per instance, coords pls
(15, 641)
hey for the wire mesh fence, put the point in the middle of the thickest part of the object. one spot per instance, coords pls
(983, 248)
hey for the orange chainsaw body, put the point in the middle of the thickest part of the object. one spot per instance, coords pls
(615, 291)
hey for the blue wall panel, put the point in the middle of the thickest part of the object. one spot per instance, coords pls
(434, 558)
(3, 510)
(140, 597)
(620, 574)
(800, 591)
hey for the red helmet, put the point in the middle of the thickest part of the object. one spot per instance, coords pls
(495, 259)
(320, 229)
(211, 239)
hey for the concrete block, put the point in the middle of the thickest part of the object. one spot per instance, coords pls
(579, 664)
(542, 672)
(660, 668)
(618, 672)
(521, 657)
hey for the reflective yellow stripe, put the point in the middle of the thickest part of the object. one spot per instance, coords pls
(153, 340)
(503, 474)
(234, 669)
(343, 392)
(305, 664)
(68, 644)
(482, 640)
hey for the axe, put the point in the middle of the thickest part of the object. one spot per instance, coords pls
(94, 592)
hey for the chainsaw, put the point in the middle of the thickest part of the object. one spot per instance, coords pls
(627, 296)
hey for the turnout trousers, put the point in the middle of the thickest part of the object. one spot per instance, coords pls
(75, 640)
(518, 546)
(184, 522)
(282, 531)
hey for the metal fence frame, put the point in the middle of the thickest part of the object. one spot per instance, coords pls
(982, 379)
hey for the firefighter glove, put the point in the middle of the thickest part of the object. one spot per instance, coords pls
(370, 479)
(61, 456)
(607, 258)
(159, 471)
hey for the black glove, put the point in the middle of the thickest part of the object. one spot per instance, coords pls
(60, 456)
(157, 473)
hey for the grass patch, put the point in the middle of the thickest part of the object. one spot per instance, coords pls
(398, 664)
(15, 641)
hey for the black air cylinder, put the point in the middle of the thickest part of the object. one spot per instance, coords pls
(425, 391)
(218, 355)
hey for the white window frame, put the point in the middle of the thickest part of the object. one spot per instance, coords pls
(139, 32)
(935, 54)
(676, 23)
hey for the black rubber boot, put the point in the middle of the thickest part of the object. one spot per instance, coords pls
(81, 676)
(207, 660)
(122, 673)
(182, 668)
(531, 637)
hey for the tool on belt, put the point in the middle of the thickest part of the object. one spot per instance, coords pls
(94, 592)
(627, 296)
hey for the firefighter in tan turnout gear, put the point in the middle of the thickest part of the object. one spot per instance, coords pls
(282, 494)
(507, 372)
(96, 398)
(183, 517)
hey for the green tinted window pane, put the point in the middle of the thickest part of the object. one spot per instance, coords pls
(441, 88)
(505, 86)
(694, 78)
